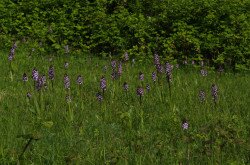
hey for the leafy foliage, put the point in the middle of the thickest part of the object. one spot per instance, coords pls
(218, 31)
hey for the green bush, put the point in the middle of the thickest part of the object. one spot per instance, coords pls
(217, 30)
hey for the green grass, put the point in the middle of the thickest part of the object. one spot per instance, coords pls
(120, 130)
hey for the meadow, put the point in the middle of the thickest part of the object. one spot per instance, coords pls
(117, 112)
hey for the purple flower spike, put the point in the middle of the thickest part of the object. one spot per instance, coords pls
(99, 97)
(113, 64)
(141, 76)
(51, 73)
(185, 125)
(159, 68)
(43, 79)
(66, 81)
(139, 91)
(39, 83)
(103, 83)
(126, 57)
(12, 52)
(148, 87)
(35, 74)
(114, 75)
(214, 92)
(125, 86)
(154, 77)
(169, 71)
(156, 59)
(203, 72)
(119, 72)
(11, 57)
(25, 77)
(79, 80)
(202, 95)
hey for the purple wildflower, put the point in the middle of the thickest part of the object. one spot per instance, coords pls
(160, 68)
(35, 74)
(185, 125)
(12, 52)
(139, 91)
(79, 80)
(148, 87)
(99, 97)
(11, 57)
(39, 83)
(202, 95)
(214, 92)
(154, 77)
(156, 59)
(66, 81)
(103, 83)
(43, 79)
(126, 57)
(114, 75)
(119, 72)
(51, 73)
(141, 76)
(169, 71)
(25, 77)
(113, 64)
(125, 86)
(203, 72)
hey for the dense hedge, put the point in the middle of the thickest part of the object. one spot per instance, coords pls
(217, 30)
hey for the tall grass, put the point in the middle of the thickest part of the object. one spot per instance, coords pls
(46, 129)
